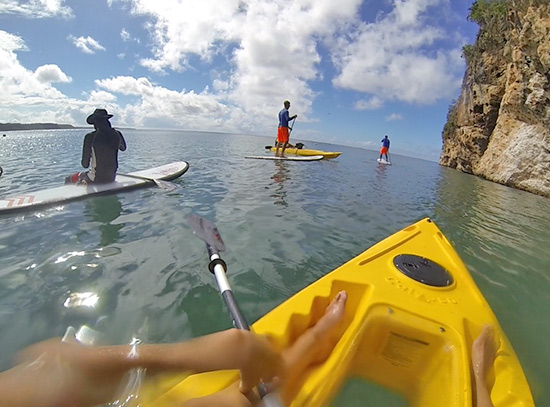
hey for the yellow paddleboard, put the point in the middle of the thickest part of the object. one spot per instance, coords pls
(307, 151)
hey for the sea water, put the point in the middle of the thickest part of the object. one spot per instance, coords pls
(128, 265)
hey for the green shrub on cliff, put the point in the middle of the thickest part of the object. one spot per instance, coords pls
(451, 125)
(492, 18)
(488, 13)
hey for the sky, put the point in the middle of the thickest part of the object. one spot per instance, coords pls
(353, 70)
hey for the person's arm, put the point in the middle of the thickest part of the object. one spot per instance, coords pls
(58, 374)
(87, 149)
(122, 145)
(252, 354)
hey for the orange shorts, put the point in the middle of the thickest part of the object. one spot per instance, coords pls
(282, 134)
(384, 150)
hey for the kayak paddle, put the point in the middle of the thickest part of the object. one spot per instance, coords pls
(167, 186)
(290, 128)
(208, 232)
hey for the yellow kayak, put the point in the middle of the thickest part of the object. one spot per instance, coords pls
(307, 151)
(412, 314)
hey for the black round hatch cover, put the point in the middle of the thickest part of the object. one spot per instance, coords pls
(423, 270)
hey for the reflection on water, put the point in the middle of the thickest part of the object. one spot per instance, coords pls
(282, 174)
(105, 210)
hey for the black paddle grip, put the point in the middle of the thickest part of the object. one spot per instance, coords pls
(214, 263)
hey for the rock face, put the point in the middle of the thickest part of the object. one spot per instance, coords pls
(499, 128)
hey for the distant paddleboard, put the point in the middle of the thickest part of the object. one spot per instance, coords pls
(72, 192)
(298, 158)
(382, 161)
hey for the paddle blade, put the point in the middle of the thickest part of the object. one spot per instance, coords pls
(207, 231)
(167, 186)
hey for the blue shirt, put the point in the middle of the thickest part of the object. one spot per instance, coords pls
(386, 142)
(284, 118)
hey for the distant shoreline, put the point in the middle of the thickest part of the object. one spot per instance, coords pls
(34, 126)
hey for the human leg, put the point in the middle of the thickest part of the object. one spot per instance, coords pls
(483, 356)
(312, 346)
(79, 178)
(282, 138)
(278, 145)
(283, 150)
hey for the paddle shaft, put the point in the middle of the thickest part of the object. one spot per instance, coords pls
(170, 186)
(217, 266)
(208, 232)
(290, 128)
(138, 177)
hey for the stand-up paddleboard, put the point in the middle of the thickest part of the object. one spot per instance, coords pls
(66, 193)
(287, 158)
(308, 152)
(382, 161)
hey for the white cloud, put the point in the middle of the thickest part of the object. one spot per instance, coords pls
(19, 84)
(393, 58)
(157, 104)
(125, 35)
(36, 8)
(10, 43)
(50, 74)
(372, 103)
(271, 46)
(272, 50)
(86, 44)
(100, 97)
(393, 117)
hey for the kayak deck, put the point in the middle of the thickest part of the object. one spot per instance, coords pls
(403, 329)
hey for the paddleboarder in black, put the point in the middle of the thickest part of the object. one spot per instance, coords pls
(100, 151)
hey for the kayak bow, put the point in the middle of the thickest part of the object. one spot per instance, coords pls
(412, 314)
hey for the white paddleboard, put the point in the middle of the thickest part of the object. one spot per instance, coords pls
(287, 158)
(382, 161)
(73, 192)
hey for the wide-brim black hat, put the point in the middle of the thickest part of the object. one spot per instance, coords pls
(98, 114)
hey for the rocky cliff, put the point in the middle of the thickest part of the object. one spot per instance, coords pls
(499, 128)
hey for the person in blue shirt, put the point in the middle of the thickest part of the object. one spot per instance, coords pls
(283, 132)
(385, 147)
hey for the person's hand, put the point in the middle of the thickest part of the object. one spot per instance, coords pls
(294, 117)
(260, 361)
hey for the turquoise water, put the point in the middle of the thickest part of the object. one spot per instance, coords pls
(284, 224)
